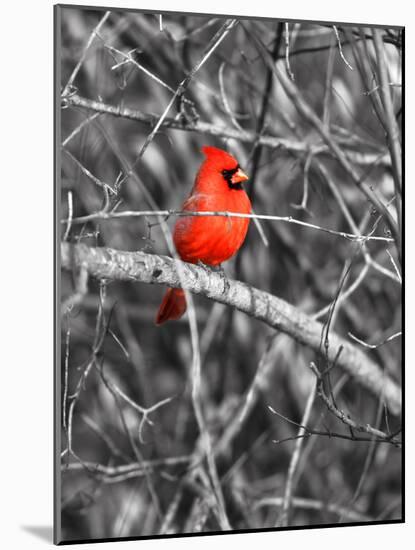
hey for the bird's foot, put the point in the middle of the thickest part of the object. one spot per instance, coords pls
(204, 266)
(215, 268)
(219, 269)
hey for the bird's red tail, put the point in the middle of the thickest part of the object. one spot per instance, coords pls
(172, 307)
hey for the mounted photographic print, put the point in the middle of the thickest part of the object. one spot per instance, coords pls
(229, 211)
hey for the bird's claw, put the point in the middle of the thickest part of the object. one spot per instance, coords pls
(216, 269)
(219, 269)
(204, 266)
(226, 285)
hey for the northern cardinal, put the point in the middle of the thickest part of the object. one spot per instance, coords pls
(209, 239)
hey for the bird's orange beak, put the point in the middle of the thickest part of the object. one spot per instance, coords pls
(239, 176)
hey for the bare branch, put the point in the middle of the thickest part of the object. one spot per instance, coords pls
(398, 273)
(206, 128)
(390, 121)
(70, 215)
(375, 346)
(78, 66)
(341, 415)
(80, 126)
(105, 215)
(225, 99)
(144, 411)
(115, 474)
(81, 289)
(336, 32)
(66, 377)
(287, 52)
(308, 503)
(283, 521)
(307, 432)
(89, 175)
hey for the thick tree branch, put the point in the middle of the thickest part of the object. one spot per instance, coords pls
(111, 264)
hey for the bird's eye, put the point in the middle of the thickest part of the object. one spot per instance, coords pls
(227, 174)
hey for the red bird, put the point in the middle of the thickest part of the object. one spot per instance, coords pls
(209, 239)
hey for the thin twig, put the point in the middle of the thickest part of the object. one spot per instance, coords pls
(368, 461)
(260, 230)
(112, 447)
(89, 175)
(66, 377)
(390, 120)
(132, 467)
(310, 504)
(81, 289)
(70, 215)
(303, 204)
(225, 99)
(310, 432)
(346, 294)
(328, 88)
(167, 213)
(283, 520)
(287, 52)
(76, 131)
(97, 344)
(336, 32)
(260, 382)
(375, 346)
(398, 273)
(134, 447)
(142, 410)
(78, 66)
(341, 415)
(127, 58)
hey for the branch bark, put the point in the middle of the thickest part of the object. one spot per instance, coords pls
(111, 264)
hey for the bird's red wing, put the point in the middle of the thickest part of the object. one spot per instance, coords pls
(196, 203)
